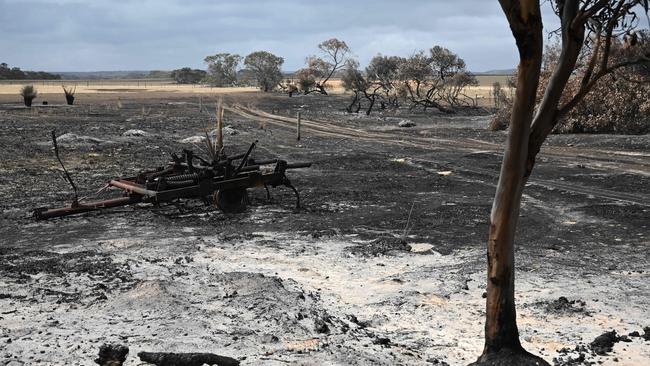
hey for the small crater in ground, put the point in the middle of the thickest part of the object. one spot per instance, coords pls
(383, 246)
(564, 306)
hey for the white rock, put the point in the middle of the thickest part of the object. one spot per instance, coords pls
(230, 131)
(406, 123)
(421, 247)
(193, 140)
(71, 138)
(227, 130)
(135, 133)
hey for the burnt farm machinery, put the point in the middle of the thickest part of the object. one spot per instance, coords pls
(223, 181)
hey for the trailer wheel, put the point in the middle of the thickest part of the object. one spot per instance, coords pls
(232, 200)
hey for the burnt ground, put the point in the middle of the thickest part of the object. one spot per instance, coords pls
(383, 264)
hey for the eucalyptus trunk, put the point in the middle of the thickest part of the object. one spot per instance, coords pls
(502, 345)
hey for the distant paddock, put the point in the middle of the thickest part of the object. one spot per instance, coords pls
(151, 88)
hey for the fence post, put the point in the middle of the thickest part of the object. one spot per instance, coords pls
(298, 127)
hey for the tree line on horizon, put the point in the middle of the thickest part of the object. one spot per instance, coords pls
(15, 73)
(437, 79)
(434, 78)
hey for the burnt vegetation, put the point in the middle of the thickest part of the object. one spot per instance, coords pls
(608, 90)
(69, 94)
(434, 79)
(29, 93)
(335, 55)
(593, 77)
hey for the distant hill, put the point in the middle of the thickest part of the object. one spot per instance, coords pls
(497, 72)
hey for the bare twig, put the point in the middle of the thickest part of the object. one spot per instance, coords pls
(67, 175)
(408, 220)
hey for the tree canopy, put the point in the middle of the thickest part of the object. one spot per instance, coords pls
(188, 75)
(266, 67)
(222, 69)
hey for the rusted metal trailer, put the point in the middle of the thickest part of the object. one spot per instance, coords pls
(223, 181)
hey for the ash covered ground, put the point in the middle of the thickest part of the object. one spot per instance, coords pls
(384, 264)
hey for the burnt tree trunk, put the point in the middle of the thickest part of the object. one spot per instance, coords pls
(371, 100)
(502, 345)
(526, 135)
(321, 88)
(573, 35)
(355, 99)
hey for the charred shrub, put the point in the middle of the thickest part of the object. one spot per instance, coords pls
(69, 94)
(615, 102)
(616, 105)
(29, 93)
(501, 119)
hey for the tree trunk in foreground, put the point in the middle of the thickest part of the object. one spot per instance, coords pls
(526, 135)
(502, 346)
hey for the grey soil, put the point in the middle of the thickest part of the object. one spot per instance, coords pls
(383, 265)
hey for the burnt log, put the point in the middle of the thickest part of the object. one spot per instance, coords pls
(186, 359)
(112, 355)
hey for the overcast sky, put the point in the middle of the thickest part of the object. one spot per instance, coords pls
(92, 35)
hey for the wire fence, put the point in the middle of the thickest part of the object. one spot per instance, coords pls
(95, 82)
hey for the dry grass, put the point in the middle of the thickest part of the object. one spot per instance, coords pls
(488, 80)
(139, 89)
(82, 88)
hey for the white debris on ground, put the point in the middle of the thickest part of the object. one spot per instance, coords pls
(198, 139)
(406, 123)
(227, 130)
(219, 284)
(135, 133)
(230, 131)
(193, 140)
(71, 139)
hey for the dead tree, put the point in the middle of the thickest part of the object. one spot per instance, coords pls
(319, 70)
(361, 85)
(528, 130)
(435, 79)
(384, 71)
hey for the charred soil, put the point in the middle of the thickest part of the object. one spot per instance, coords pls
(384, 263)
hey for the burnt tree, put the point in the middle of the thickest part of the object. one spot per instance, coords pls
(319, 70)
(528, 130)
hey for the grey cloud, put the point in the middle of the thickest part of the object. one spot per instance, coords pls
(63, 35)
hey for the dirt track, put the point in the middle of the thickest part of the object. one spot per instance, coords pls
(635, 162)
(332, 283)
